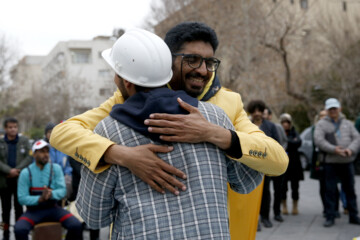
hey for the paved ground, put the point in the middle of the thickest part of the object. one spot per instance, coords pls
(308, 224)
(305, 226)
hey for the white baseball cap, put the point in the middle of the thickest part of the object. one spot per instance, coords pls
(332, 103)
(39, 145)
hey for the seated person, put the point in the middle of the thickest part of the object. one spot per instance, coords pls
(41, 185)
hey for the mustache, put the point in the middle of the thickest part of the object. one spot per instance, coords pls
(195, 75)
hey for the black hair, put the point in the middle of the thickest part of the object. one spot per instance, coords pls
(10, 120)
(49, 126)
(188, 32)
(269, 110)
(256, 104)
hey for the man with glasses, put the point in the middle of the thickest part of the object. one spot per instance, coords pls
(117, 196)
(254, 149)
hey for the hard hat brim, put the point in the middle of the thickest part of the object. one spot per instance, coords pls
(106, 54)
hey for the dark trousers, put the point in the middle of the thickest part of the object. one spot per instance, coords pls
(277, 184)
(6, 195)
(322, 185)
(266, 197)
(55, 214)
(294, 183)
(345, 173)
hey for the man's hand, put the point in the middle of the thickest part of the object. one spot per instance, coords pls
(143, 162)
(14, 172)
(190, 128)
(340, 151)
(46, 194)
(348, 152)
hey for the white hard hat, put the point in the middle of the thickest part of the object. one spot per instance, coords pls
(141, 58)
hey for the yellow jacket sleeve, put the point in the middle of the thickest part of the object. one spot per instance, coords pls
(75, 136)
(260, 152)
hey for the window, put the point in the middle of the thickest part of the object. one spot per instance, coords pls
(104, 92)
(104, 73)
(344, 6)
(81, 55)
(304, 4)
(292, 1)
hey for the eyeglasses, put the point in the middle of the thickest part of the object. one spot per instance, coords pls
(195, 61)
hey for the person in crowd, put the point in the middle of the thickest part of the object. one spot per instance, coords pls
(117, 196)
(339, 140)
(280, 130)
(59, 158)
(357, 160)
(316, 171)
(256, 110)
(41, 185)
(14, 156)
(294, 174)
(193, 45)
(316, 167)
(357, 123)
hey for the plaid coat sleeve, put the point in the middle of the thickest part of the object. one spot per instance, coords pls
(242, 179)
(95, 199)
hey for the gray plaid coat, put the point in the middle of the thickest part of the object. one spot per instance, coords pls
(139, 212)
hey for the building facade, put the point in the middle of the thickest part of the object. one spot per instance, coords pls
(75, 76)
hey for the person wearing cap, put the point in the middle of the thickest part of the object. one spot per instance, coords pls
(338, 139)
(193, 45)
(14, 156)
(117, 196)
(41, 185)
(294, 174)
(59, 158)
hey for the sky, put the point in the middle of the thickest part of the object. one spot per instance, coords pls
(34, 27)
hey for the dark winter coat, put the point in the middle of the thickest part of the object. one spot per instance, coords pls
(23, 157)
(295, 170)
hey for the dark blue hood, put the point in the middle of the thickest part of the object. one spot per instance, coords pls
(138, 107)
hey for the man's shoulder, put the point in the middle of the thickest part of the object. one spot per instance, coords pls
(209, 108)
(227, 93)
(268, 123)
(25, 171)
(56, 167)
(23, 139)
(322, 122)
(105, 123)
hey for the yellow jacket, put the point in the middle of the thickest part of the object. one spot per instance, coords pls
(74, 137)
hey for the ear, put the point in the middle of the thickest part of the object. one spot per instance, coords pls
(128, 84)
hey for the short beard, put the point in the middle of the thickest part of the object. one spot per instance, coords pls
(191, 92)
(122, 89)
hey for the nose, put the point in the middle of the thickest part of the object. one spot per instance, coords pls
(202, 69)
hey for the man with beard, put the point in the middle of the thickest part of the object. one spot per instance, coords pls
(193, 46)
(41, 185)
(117, 196)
